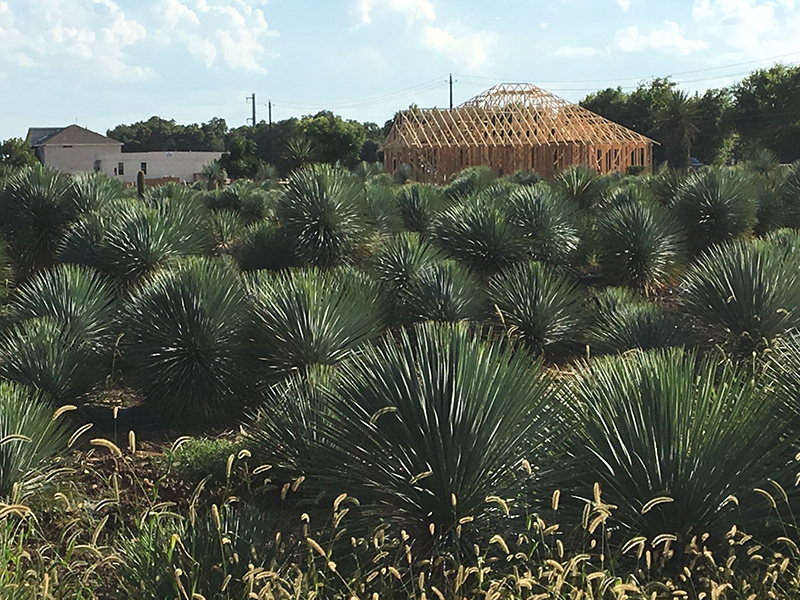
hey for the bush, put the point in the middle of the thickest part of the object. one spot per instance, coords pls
(543, 309)
(744, 294)
(581, 185)
(323, 213)
(418, 206)
(670, 438)
(265, 246)
(184, 341)
(444, 292)
(640, 245)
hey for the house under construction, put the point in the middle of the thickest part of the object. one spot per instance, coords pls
(512, 127)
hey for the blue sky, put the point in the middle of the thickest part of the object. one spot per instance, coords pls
(105, 62)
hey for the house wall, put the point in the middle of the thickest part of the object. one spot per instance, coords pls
(76, 158)
(183, 165)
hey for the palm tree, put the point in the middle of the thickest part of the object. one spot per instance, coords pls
(716, 205)
(676, 120)
(30, 435)
(670, 437)
(323, 213)
(300, 152)
(184, 342)
(541, 308)
(640, 244)
(745, 295)
(424, 431)
(214, 174)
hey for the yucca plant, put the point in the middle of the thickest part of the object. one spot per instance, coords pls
(790, 195)
(640, 244)
(716, 205)
(264, 246)
(469, 182)
(429, 432)
(581, 185)
(477, 234)
(547, 223)
(744, 294)
(419, 205)
(323, 213)
(78, 297)
(396, 266)
(227, 230)
(95, 190)
(38, 205)
(443, 292)
(49, 355)
(30, 435)
(383, 211)
(624, 322)
(306, 318)
(541, 308)
(677, 443)
(130, 240)
(251, 201)
(184, 342)
(665, 185)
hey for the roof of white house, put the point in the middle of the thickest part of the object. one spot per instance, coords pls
(71, 135)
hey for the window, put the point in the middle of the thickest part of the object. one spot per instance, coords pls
(120, 168)
(143, 168)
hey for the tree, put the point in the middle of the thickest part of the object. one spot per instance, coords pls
(240, 160)
(676, 118)
(16, 153)
(157, 134)
(335, 139)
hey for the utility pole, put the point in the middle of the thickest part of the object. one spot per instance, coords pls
(271, 157)
(451, 91)
(253, 100)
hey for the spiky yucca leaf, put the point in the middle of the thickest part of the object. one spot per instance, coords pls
(547, 223)
(423, 430)
(790, 195)
(745, 294)
(227, 230)
(469, 182)
(49, 355)
(478, 235)
(666, 184)
(716, 205)
(667, 424)
(640, 244)
(95, 190)
(323, 212)
(625, 322)
(443, 292)
(581, 185)
(541, 308)
(383, 210)
(307, 318)
(248, 199)
(265, 246)
(27, 415)
(38, 204)
(419, 205)
(75, 296)
(184, 343)
(397, 265)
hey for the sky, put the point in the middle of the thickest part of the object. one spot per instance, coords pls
(100, 63)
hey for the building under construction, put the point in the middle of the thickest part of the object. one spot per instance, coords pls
(509, 128)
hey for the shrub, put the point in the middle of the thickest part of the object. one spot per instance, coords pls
(198, 458)
(265, 246)
(424, 431)
(29, 436)
(469, 181)
(670, 438)
(581, 185)
(446, 293)
(306, 318)
(716, 205)
(542, 308)
(323, 213)
(418, 206)
(184, 341)
(640, 245)
(248, 199)
(478, 235)
(547, 223)
(745, 295)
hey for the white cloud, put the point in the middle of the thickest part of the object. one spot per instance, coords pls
(624, 4)
(175, 12)
(469, 49)
(668, 37)
(414, 10)
(575, 51)
(201, 49)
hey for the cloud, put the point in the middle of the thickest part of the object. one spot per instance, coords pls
(470, 49)
(174, 12)
(668, 37)
(575, 51)
(414, 10)
(624, 4)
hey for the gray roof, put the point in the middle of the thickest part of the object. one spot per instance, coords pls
(71, 135)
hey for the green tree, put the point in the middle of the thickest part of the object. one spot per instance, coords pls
(334, 139)
(240, 160)
(676, 117)
(16, 153)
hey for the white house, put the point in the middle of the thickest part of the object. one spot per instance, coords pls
(75, 149)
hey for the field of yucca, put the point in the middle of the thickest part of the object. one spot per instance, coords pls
(350, 385)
